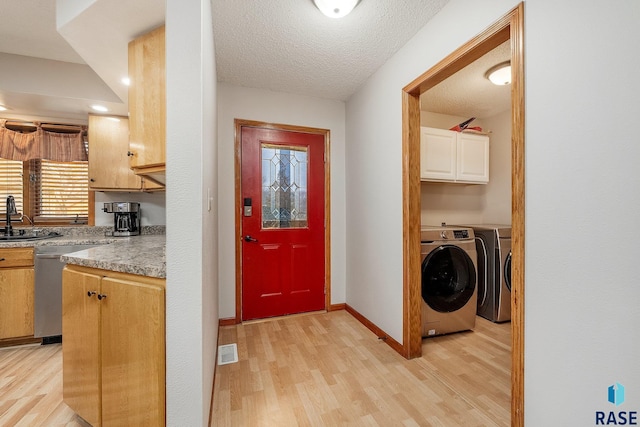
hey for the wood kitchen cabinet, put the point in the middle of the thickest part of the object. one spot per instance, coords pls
(16, 293)
(449, 156)
(147, 105)
(114, 346)
(109, 168)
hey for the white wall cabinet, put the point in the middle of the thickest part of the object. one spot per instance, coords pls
(448, 156)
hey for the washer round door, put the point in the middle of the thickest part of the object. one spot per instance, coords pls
(507, 271)
(448, 278)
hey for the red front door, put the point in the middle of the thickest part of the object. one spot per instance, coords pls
(283, 235)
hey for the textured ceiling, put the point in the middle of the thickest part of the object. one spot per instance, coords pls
(288, 45)
(284, 45)
(468, 93)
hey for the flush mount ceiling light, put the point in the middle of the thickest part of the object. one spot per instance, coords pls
(500, 74)
(3, 108)
(336, 8)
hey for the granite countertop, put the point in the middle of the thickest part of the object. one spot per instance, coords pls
(143, 255)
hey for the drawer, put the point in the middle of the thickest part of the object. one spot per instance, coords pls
(16, 257)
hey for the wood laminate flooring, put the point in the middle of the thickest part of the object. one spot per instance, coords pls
(329, 370)
(31, 388)
(322, 369)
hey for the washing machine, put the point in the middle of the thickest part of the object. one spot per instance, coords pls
(493, 245)
(449, 272)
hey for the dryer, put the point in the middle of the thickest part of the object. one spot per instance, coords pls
(493, 245)
(448, 276)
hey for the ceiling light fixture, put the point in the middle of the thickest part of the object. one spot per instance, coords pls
(100, 108)
(3, 108)
(500, 74)
(336, 8)
(126, 81)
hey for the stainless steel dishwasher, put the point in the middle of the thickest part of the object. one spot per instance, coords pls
(48, 290)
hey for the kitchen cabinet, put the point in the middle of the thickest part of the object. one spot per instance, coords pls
(109, 168)
(449, 156)
(16, 293)
(113, 326)
(147, 105)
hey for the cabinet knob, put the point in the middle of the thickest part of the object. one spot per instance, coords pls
(1, 259)
(130, 153)
(101, 296)
(91, 293)
(92, 180)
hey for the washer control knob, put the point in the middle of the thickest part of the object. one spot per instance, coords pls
(443, 234)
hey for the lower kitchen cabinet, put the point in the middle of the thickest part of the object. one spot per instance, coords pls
(113, 328)
(16, 293)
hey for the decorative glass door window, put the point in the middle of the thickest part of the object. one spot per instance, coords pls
(284, 186)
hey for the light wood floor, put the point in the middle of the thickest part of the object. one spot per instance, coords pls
(31, 387)
(329, 370)
(311, 370)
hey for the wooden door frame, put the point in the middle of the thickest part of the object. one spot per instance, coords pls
(509, 27)
(239, 124)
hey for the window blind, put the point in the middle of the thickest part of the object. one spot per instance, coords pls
(11, 184)
(59, 190)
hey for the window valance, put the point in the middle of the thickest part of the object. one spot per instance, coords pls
(41, 144)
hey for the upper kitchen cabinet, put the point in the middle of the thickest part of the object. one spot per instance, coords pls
(109, 168)
(147, 105)
(448, 156)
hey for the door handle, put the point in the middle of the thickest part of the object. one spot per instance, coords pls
(248, 238)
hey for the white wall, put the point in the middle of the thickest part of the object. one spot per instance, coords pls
(236, 102)
(582, 203)
(192, 237)
(582, 209)
(374, 164)
(152, 206)
(497, 206)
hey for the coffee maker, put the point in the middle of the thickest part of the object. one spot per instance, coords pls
(126, 217)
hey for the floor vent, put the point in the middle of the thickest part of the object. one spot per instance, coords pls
(227, 354)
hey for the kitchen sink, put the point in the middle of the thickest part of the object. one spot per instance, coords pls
(28, 237)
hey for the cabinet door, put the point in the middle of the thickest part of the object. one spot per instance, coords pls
(81, 344)
(147, 99)
(148, 185)
(133, 353)
(16, 302)
(108, 160)
(473, 158)
(437, 154)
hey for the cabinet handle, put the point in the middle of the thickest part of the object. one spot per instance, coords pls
(91, 293)
(101, 296)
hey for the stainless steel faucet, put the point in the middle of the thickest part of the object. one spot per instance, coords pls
(11, 210)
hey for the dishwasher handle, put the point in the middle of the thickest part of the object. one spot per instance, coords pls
(48, 256)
